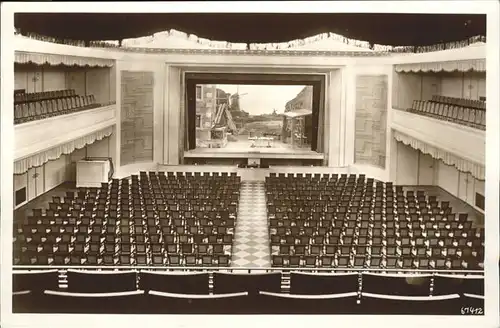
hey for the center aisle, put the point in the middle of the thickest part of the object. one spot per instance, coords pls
(251, 244)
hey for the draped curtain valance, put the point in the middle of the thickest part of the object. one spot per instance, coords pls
(477, 65)
(477, 170)
(41, 158)
(144, 43)
(55, 59)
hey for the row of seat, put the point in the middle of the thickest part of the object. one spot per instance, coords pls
(110, 226)
(479, 104)
(184, 293)
(21, 95)
(40, 109)
(146, 258)
(398, 230)
(376, 262)
(472, 117)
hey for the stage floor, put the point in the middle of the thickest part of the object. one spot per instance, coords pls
(244, 149)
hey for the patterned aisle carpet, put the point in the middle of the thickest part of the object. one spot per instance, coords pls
(251, 245)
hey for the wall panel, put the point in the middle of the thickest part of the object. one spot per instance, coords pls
(452, 85)
(55, 172)
(409, 88)
(448, 178)
(173, 119)
(371, 120)
(76, 80)
(100, 148)
(463, 184)
(425, 169)
(137, 104)
(28, 77)
(112, 83)
(20, 182)
(335, 106)
(407, 165)
(74, 157)
(431, 85)
(478, 189)
(98, 84)
(53, 78)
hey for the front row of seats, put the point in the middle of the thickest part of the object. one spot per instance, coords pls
(187, 293)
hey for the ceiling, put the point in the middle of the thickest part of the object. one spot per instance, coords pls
(386, 29)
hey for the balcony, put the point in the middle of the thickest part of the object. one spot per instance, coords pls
(29, 107)
(460, 111)
(36, 136)
(464, 141)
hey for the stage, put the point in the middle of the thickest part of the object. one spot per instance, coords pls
(244, 149)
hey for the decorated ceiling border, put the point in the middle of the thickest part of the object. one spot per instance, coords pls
(206, 45)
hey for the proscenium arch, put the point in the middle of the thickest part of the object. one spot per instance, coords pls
(317, 81)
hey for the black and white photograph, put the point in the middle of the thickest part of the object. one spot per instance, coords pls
(250, 163)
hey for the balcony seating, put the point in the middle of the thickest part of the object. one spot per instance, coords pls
(399, 284)
(350, 221)
(320, 284)
(461, 111)
(479, 104)
(150, 219)
(180, 283)
(40, 105)
(277, 303)
(410, 305)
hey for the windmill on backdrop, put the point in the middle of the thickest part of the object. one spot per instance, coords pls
(223, 115)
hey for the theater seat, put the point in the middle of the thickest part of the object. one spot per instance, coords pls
(410, 305)
(278, 303)
(173, 303)
(130, 302)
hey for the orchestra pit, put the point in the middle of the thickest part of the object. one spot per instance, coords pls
(138, 191)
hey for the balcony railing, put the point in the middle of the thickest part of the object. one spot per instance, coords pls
(285, 272)
(471, 113)
(462, 141)
(36, 136)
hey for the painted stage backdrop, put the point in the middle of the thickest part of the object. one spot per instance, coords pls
(371, 120)
(136, 117)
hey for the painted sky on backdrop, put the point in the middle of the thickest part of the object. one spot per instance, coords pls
(262, 99)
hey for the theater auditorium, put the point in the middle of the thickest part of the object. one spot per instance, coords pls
(118, 210)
